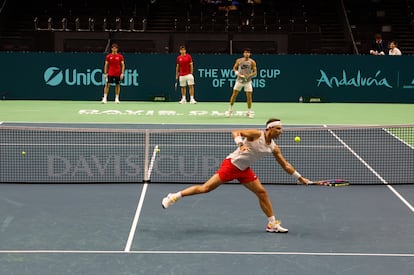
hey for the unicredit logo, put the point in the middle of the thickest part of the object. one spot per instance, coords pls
(54, 76)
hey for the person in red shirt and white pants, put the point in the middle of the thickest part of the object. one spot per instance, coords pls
(114, 72)
(184, 73)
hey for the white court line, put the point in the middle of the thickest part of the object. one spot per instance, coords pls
(373, 171)
(206, 252)
(399, 139)
(136, 218)
(148, 169)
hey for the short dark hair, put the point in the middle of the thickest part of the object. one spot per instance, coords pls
(114, 45)
(182, 47)
(246, 50)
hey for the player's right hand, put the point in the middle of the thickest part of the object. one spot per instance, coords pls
(304, 181)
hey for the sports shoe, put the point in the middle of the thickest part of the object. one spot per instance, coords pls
(116, 101)
(276, 228)
(183, 101)
(228, 113)
(103, 101)
(193, 101)
(168, 200)
(249, 114)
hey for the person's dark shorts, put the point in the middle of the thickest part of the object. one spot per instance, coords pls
(114, 79)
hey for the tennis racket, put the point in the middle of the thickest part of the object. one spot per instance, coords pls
(176, 85)
(330, 182)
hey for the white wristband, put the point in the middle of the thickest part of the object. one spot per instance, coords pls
(296, 175)
(238, 140)
(236, 73)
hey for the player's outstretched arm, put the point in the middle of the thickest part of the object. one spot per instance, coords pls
(288, 167)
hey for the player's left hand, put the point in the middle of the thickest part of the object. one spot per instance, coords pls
(121, 76)
(244, 148)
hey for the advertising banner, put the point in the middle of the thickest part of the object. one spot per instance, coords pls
(280, 78)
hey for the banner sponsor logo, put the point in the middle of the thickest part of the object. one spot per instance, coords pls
(358, 80)
(54, 76)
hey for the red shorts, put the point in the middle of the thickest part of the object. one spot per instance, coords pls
(229, 172)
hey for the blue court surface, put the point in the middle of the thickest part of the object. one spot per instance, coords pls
(122, 229)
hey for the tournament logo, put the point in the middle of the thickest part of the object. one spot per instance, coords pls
(53, 76)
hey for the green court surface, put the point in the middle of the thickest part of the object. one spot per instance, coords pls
(31, 111)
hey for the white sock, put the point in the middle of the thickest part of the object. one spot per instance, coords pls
(192, 98)
(183, 98)
(117, 97)
(271, 219)
(104, 97)
(231, 108)
(178, 195)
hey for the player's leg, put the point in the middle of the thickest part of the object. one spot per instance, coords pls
(117, 81)
(236, 89)
(117, 92)
(261, 193)
(249, 98)
(106, 91)
(191, 91)
(190, 82)
(208, 186)
(265, 204)
(183, 86)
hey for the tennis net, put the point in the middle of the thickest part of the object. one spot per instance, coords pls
(362, 155)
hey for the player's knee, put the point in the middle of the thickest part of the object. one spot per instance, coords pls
(262, 193)
(205, 188)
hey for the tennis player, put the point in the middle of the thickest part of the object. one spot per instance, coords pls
(245, 69)
(252, 146)
(184, 74)
(114, 72)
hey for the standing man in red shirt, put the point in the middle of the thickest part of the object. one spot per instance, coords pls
(114, 72)
(184, 73)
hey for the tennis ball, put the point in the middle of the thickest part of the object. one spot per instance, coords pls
(157, 150)
(297, 139)
(23, 153)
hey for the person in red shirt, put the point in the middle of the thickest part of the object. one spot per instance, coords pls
(114, 72)
(184, 74)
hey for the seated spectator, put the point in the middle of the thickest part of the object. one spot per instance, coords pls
(393, 49)
(379, 47)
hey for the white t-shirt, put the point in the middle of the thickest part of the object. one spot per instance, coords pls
(257, 150)
(394, 51)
